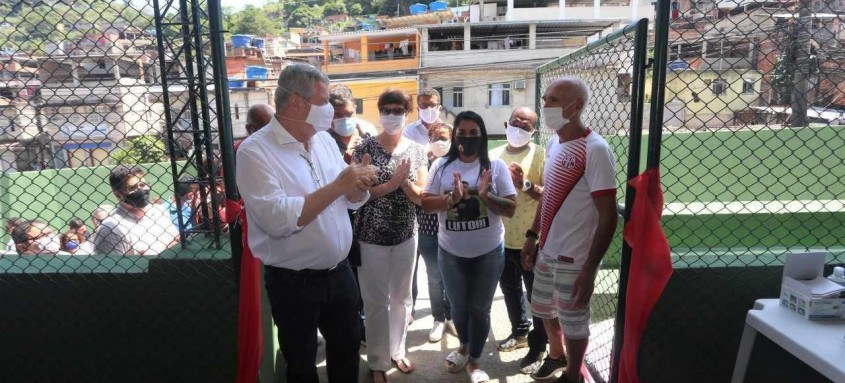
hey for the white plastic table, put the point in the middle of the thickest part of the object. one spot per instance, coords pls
(819, 344)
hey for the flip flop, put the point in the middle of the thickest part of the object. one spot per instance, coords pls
(381, 374)
(479, 376)
(455, 362)
(404, 365)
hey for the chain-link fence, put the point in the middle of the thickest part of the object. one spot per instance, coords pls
(753, 159)
(613, 68)
(97, 279)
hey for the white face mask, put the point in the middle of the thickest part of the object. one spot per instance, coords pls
(320, 116)
(344, 126)
(429, 115)
(440, 148)
(392, 124)
(554, 118)
(517, 137)
(49, 244)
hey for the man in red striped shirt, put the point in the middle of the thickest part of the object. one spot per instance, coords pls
(576, 222)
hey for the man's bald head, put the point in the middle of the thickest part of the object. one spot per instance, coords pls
(569, 93)
(524, 118)
(258, 116)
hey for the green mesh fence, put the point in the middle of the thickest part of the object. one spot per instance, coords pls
(612, 68)
(752, 166)
(132, 294)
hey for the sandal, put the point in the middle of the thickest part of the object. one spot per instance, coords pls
(404, 365)
(382, 377)
(479, 376)
(455, 362)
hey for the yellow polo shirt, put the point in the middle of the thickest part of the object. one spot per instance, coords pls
(532, 161)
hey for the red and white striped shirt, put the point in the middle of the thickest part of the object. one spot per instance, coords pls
(576, 171)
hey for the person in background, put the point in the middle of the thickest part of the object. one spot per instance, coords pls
(386, 230)
(35, 237)
(296, 190)
(135, 227)
(257, 117)
(526, 163)
(183, 195)
(440, 140)
(574, 224)
(76, 235)
(99, 214)
(347, 129)
(471, 253)
(10, 225)
(428, 108)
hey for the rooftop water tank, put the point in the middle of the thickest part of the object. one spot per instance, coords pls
(438, 6)
(256, 73)
(241, 41)
(418, 8)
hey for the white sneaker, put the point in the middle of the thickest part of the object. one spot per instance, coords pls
(436, 332)
(450, 328)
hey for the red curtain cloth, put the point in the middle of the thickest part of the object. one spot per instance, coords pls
(250, 342)
(651, 267)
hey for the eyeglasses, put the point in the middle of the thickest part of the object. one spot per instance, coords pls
(393, 111)
(314, 174)
(137, 186)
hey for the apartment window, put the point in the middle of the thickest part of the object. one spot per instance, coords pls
(499, 95)
(748, 86)
(95, 119)
(359, 105)
(101, 64)
(718, 86)
(458, 97)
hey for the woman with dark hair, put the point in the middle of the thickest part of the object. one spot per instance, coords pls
(387, 233)
(471, 251)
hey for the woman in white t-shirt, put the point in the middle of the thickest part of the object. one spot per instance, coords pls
(470, 193)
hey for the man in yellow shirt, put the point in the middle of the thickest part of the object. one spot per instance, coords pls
(526, 162)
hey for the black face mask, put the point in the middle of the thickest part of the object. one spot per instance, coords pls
(138, 199)
(469, 145)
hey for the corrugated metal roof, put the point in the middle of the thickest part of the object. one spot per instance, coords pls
(569, 27)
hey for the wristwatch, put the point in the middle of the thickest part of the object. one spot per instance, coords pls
(531, 234)
(527, 185)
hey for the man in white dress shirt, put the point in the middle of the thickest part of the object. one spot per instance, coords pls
(296, 190)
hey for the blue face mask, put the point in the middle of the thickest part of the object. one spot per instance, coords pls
(345, 126)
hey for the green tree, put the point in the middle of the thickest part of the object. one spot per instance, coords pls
(305, 16)
(140, 150)
(356, 9)
(334, 8)
(254, 21)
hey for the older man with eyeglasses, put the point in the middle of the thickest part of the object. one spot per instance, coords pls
(296, 191)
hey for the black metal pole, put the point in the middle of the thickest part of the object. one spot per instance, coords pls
(224, 118)
(639, 67)
(658, 83)
(170, 124)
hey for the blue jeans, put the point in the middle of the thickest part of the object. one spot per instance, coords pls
(470, 284)
(516, 301)
(440, 308)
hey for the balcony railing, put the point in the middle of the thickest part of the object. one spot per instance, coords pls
(79, 95)
(725, 63)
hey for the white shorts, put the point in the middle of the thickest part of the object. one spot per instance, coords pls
(552, 297)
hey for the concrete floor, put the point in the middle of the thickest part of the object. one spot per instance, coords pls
(429, 358)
